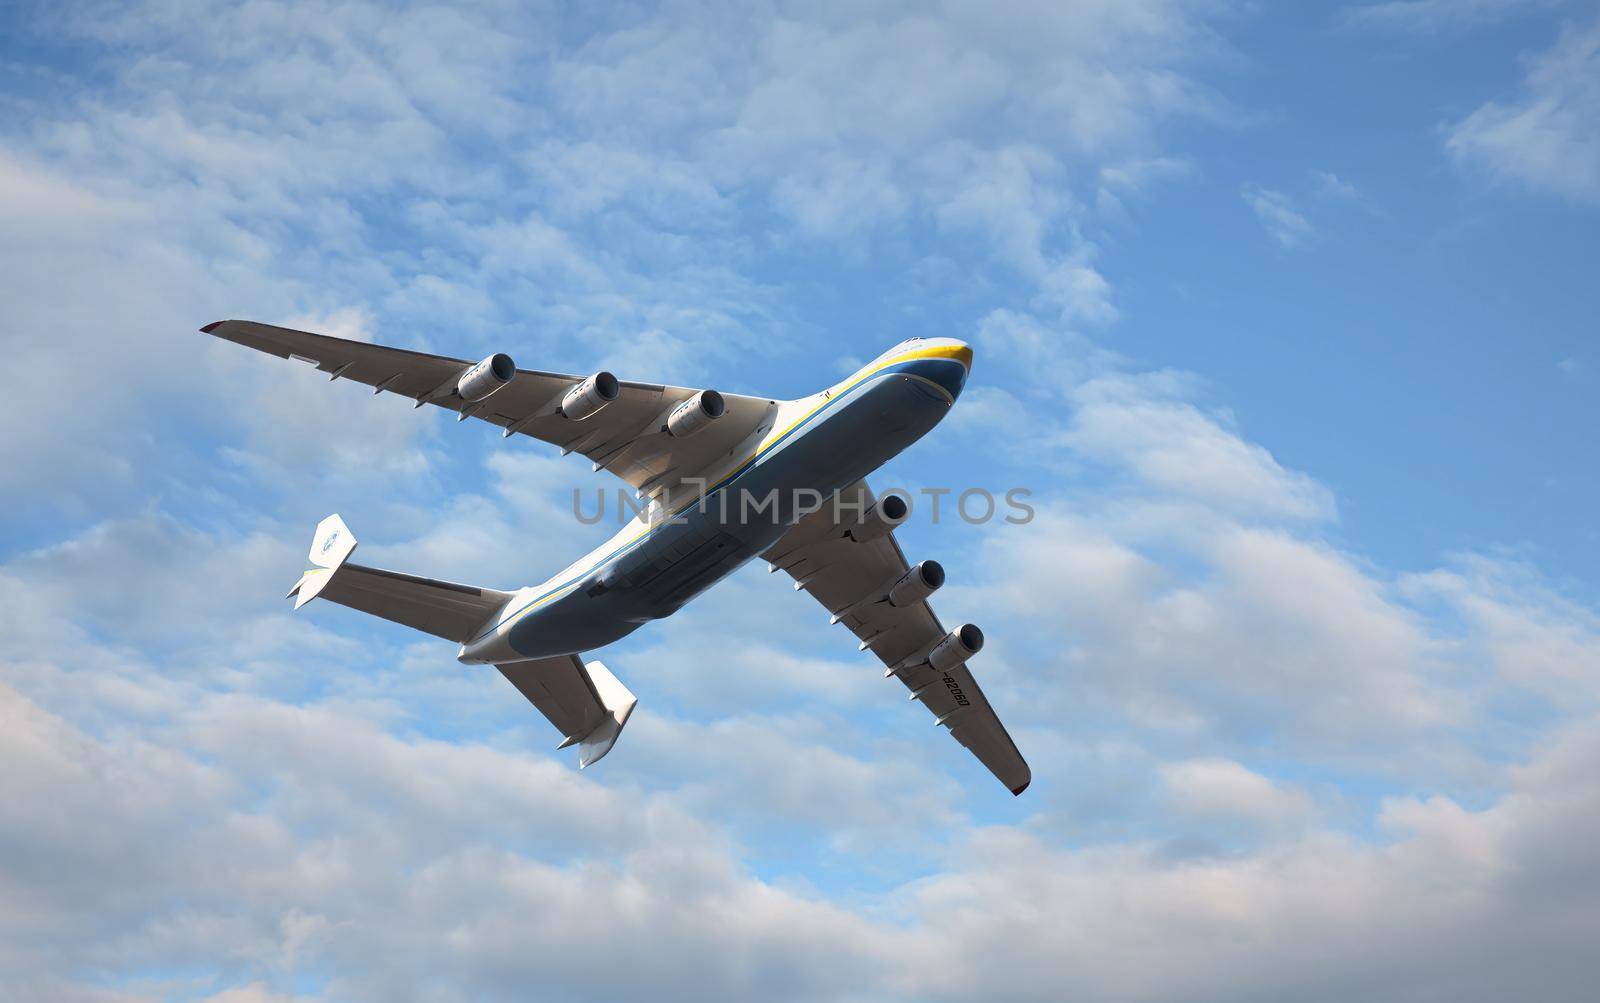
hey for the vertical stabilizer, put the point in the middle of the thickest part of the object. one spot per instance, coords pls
(618, 701)
(586, 703)
(330, 547)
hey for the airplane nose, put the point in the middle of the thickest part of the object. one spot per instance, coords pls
(940, 356)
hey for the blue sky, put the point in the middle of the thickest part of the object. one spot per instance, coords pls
(1284, 314)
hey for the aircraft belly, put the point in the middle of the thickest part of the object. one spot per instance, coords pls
(710, 540)
(666, 574)
(734, 524)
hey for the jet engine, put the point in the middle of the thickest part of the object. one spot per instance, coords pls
(695, 413)
(484, 378)
(590, 396)
(958, 646)
(889, 512)
(917, 584)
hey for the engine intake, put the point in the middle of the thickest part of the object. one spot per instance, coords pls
(590, 396)
(483, 378)
(696, 413)
(889, 512)
(958, 646)
(917, 584)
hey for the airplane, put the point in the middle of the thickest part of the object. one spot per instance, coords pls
(720, 478)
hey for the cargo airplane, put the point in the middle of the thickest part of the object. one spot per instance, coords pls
(720, 478)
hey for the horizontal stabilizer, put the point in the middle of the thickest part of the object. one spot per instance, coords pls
(443, 609)
(585, 702)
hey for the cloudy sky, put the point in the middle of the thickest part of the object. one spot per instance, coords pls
(1285, 314)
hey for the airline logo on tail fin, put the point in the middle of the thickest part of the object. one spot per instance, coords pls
(332, 543)
(330, 548)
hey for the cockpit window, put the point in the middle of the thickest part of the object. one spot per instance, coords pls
(896, 350)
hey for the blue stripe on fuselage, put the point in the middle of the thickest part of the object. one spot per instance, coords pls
(947, 373)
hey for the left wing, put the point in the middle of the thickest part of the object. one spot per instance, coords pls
(853, 578)
(626, 435)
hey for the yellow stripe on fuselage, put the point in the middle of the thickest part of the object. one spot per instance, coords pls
(961, 353)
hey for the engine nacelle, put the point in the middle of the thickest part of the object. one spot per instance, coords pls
(484, 378)
(889, 512)
(958, 646)
(590, 396)
(696, 413)
(917, 584)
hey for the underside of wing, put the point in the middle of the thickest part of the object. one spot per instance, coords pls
(657, 438)
(846, 556)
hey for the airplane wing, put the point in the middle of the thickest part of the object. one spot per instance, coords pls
(850, 578)
(627, 436)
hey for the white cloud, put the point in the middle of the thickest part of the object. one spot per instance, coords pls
(1221, 789)
(1330, 185)
(179, 865)
(1173, 446)
(262, 840)
(860, 127)
(1530, 634)
(35, 202)
(1118, 181)
(1476, 904)
(1547, 137)
(1182, 625)
(1278, 214)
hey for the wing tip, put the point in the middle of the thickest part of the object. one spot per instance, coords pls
(212, 326)
(1017, 791)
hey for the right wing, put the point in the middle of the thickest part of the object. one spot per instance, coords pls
(625, 436)
(849, 578)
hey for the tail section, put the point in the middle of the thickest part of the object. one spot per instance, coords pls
(443, 609)
(618, 702)
(330, 548)
(585, 702)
